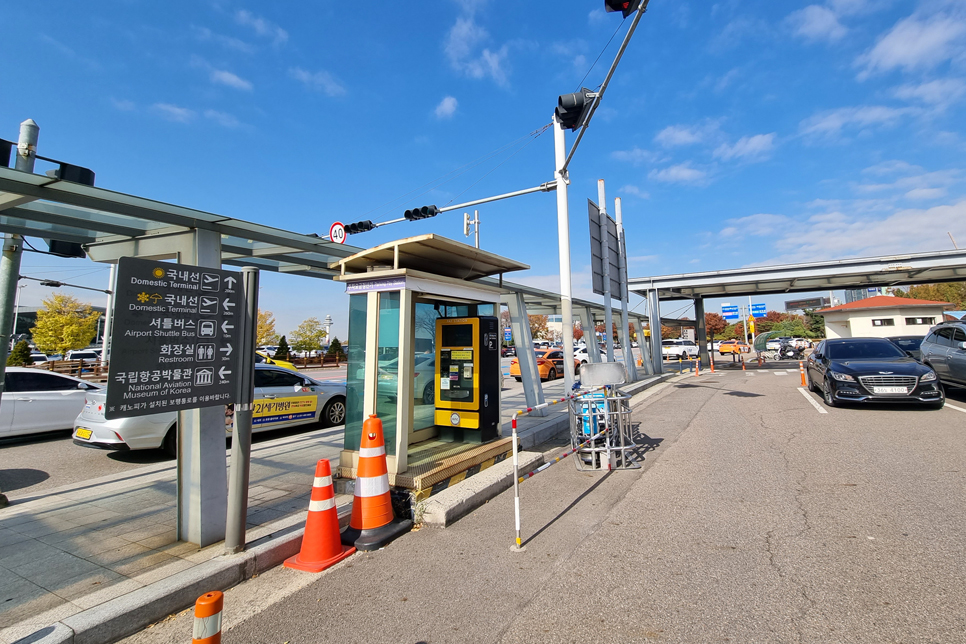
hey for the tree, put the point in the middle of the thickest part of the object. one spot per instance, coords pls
(335, 349)
(815, 324)
(309, 336)
(20, 356)
(281, 353)
(578, 334)
(670, 332)
(538, 327)
(952, 292)
(714, 323)
(265, 332)
(64, 324)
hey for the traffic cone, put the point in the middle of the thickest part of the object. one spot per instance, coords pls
(697, 367)
(743, 370)
(801, 370)
(321, 547)
(207, 625)
(372, 524)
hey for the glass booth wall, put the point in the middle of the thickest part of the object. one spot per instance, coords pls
(356, 370)
(424, 385)
(387, 388)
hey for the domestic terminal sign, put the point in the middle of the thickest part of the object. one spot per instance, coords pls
(175, 338)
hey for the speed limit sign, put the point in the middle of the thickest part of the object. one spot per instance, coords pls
(337, 233)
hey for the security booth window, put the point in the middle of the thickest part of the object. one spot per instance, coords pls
(356, 370)
(387, 387)
(920, 321)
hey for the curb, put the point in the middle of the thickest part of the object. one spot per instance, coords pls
(441, 510)
(118, 618)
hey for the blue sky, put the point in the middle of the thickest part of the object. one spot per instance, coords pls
(735, 133)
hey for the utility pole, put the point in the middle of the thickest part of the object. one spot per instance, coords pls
(605, 267)
(475, 223)
(563, 246)
(109, 316)
(625, 331)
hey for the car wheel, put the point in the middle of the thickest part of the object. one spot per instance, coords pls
(583, 362)
(170, 443)
(827, 394)
(552, 374)
(334, 412)
(429, 394)
(808, 381)
(518, 378)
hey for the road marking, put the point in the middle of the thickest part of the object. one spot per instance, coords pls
(956, 408)
(780, 373)
(750, 373)
(817, 407)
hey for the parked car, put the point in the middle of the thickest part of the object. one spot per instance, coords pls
(582, 357)
(674, 349)
(944, 349)
(261, 358)
(908, 343)
(38, 357)
(40, 401)
(424, 377)
(733, 347)
(87, 355)
(851, 370)
(508, 351)
(282, 399)
(268, 350)
(549, 364)
(773, 344)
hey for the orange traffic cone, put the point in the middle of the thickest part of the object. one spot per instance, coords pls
(372, 524)
(207, 624)
(321, 547)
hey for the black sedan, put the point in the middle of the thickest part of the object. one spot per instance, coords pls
(908, 343)
(870, 370)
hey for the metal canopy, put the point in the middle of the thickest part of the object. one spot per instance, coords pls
(35, 205)
(890, 270)
(432, 254)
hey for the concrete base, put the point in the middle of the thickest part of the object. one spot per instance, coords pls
(366, 540)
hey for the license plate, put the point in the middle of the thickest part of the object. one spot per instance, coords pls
(889, 390)
(83, 433)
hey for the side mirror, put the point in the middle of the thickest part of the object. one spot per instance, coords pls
(961, 345)
(83, 385)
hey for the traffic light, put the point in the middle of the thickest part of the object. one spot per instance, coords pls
(421, 213)
(626, 7)
(572, 109)
(359, 227)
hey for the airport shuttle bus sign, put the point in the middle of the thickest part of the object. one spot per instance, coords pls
(175, 337)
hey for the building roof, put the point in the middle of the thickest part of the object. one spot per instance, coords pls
(883, 302)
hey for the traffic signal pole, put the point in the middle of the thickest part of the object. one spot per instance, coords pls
(563, 243)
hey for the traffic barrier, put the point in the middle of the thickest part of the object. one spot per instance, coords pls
(743, 365)
(801, 371)
(321, 545)
(207, 624)
(697, 367)
(517, 479)
(372, 524)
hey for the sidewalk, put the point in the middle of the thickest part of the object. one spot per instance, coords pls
(70, 549)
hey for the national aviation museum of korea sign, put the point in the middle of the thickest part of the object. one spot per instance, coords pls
(175, 338)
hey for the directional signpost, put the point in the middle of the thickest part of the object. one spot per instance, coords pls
(729, 312)
(507, 335)
(174, 340)
(758, 310)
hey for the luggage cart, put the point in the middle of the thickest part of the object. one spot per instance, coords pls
(600, 421)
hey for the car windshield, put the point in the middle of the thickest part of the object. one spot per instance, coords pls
(909, 344)
(863, 350)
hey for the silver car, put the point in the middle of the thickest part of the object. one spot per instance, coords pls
(283, 398)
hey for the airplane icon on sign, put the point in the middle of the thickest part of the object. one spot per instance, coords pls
(210, 282)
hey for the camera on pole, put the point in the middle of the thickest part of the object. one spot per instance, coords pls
(425, 212)
(624, 6)
(573, 109)
(359, 227)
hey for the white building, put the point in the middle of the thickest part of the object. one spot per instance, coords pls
(882, 316)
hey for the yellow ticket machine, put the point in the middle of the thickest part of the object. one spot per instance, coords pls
(468, 379)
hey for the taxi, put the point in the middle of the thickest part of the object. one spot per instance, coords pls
(549, 364)
(262, 358)
(733, 346)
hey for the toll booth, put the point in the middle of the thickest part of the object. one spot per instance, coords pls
(423, 354)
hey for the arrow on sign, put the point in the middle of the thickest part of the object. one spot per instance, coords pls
(230, 281)
(227, 350)
(225, 326)
(223, 372)
(228, 304)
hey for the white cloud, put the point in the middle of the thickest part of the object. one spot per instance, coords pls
(207, 35)
(597, 16)
(635, 191)
(916, 42)
(446, 108)
(321, 81)
(461, 43)
(222, 77)
(635, 155)
(726, 80)
(681, 173)
(174, 112)
(750, 148)
(759, 225)
(855, 233)
(261, 26)
(894, 166)
(913, 183)
(831, 122)
(939, 93)
(123, 105)
(222, 118)
(816, 22)
(737, 32)
(925, 193)
(677, 135)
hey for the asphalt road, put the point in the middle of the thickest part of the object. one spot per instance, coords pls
(756, 518)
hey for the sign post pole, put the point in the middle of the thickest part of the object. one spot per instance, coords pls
(241, 442)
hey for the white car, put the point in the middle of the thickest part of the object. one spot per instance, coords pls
(584, 357)
(283, 398)
(37, 401)
(674, 349)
